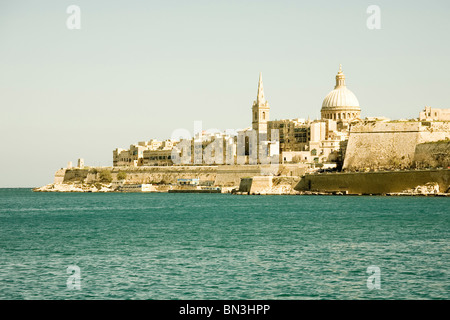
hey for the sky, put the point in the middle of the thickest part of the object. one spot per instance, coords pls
(138, 70)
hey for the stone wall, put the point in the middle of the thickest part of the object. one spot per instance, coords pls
(59, 176)
(374, 182)
(224, 175)
(432, 155)
(268, 185)
(389, 145)
(245, 185)
(256, 185)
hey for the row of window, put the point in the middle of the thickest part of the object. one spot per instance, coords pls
(160, 158)
(340, 116)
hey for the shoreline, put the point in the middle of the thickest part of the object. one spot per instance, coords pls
(105, 188)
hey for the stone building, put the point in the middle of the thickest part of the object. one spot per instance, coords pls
(434, 114)
(260, 109)
(294, 134)
(142, 152)
(340, 104)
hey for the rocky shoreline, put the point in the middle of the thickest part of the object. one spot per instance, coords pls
(76, 187)
(429, 189)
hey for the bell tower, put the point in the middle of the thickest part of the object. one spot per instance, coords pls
(260, 109)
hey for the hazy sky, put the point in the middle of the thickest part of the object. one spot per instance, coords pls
(137, 70)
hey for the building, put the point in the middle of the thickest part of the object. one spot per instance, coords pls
(260, 109)
(288, 140)
(434, 114)
(340, 104)
(319, 141)
(294, 134)
(157, 158)
(151, 152)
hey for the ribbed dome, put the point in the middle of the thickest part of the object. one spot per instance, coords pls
(340, 97)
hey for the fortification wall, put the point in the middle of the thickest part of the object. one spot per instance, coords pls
(231, 175)
(389, 145)
(268, 185)
(256, 185)
(373, 182)
(225, 176)
(59, 176)
(245, 185)
(432, 154)
(75, 175)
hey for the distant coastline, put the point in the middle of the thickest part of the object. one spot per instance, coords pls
(240, 180)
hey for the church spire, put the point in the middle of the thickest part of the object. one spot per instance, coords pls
(340, 78)
(260, 97)
(260, 109)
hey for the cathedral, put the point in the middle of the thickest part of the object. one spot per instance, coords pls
(317, 141)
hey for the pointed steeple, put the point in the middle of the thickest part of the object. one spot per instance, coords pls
(260, 97)
(340, 78)
(260, 109)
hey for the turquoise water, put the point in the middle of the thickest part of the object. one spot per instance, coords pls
(220, 246)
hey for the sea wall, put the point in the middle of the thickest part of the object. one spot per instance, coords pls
(389, 145)
(374, 182)
(268, 185)
(256, 184)
(245, 185)
(432, 155)
(225, 176)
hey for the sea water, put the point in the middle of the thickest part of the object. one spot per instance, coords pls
(222, 246)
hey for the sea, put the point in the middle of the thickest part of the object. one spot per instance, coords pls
(164, 246)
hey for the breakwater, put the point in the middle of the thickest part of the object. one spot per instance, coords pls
(382, 182)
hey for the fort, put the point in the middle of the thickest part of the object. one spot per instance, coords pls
(379, 145)
(338, 153)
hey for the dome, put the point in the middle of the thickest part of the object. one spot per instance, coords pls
(340, 104)
(340, 97)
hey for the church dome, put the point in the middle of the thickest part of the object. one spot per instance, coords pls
(340, 97)
(341, 103)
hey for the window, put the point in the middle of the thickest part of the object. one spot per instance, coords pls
(264, 116)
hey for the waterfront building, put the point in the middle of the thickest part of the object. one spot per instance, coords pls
(159, 157)
(144, 153)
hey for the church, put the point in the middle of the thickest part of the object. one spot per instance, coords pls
(303, 140)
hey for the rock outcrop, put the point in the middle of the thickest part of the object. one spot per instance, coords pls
(75, 187)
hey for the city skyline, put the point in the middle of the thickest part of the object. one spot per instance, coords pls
(69, 94)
